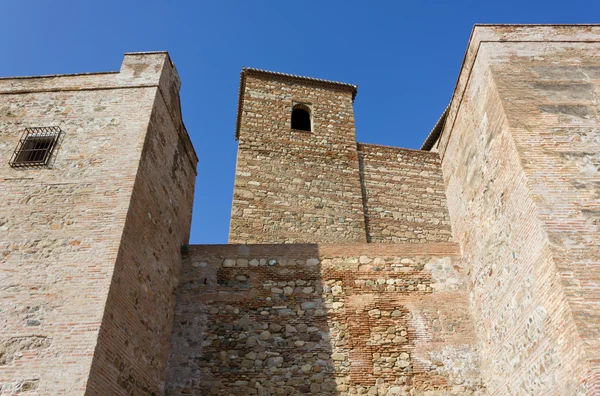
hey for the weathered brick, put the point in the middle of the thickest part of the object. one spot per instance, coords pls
(404, 195)
(362, 290)
(519, 154)
(341, 326)
(90, 246)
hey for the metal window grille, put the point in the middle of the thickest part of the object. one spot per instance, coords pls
(35, 147)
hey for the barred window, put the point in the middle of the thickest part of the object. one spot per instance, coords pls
(35, 147)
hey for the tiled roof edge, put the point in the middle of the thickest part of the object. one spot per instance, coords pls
(436, 131)
(294, 76)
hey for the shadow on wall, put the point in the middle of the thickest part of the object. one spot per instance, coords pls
(256, 320)
(323, 319)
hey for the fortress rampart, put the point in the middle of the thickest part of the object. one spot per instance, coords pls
(467, 267)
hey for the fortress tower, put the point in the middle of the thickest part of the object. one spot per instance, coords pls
(468, 267)
(95, 205)
(312, 182)
(296, 182)
(327, 285)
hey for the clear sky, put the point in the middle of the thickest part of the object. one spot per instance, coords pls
(404, 56)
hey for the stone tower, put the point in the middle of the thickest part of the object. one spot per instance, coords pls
(94, 208)
(520, 153)
(294, 185)
(468, 267)
(314, 183)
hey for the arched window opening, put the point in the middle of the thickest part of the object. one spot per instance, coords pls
(301, 118)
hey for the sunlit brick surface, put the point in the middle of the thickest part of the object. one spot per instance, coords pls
(404, 195)
(520, 158)
(84, 241)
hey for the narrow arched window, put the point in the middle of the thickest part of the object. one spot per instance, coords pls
(301, 117)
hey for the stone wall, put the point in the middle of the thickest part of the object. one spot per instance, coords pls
(296, 186)
(519, 155)
(404, 195)
(323, 319)
(555, 128)
(132, 350)
(93, 301)
(61, 226)
(311, 187)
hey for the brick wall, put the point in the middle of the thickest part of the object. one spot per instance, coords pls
(404, 195)
(518, 155)
(555, 128)
(296, 186)
(91, 294)
(132, 349)
(322, 319)
(62, 226)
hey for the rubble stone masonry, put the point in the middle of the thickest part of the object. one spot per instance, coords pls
(323, 319)
(404, 195)
(296, 186)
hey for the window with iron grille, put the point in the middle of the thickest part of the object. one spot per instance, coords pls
(35, 147)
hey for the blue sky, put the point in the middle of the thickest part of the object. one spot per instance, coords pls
(404, 55)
